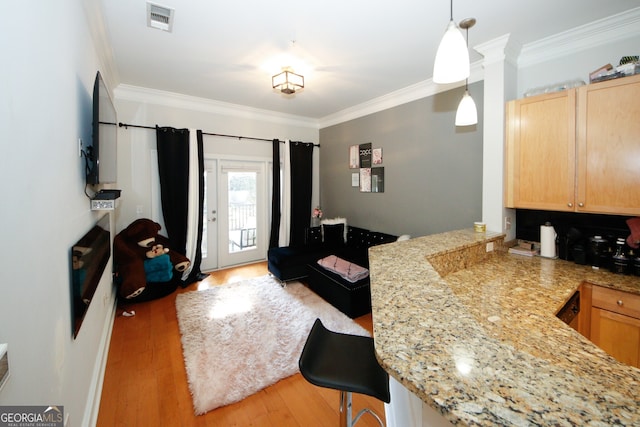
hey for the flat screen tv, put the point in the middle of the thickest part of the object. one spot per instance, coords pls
(89, 257)
(101, 154)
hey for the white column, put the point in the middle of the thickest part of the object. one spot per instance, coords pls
(500, 84)
(407, 410)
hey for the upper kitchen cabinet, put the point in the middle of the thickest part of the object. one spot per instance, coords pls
(577, 150)
(608, 142)
(540, 152)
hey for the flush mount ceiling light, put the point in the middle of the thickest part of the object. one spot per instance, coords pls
(287, 81)
(452, 58)
(467, 113)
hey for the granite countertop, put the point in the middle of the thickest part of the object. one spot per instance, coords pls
(474, 334)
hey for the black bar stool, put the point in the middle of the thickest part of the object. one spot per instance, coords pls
(346, 363)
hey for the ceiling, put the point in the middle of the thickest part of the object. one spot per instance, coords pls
(349, 51)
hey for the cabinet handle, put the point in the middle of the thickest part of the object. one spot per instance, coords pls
(619, 302)
(570, 204)
(581, 205)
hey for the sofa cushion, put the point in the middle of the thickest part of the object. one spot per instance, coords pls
(313, 237)
(288, 255)
(334, 221)
(362, 238)
(333, 235)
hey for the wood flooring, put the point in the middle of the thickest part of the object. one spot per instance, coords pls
(145, 382)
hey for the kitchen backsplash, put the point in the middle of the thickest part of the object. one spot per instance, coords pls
(568, 226)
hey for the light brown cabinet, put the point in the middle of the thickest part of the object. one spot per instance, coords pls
(576, 150)
(615, 323)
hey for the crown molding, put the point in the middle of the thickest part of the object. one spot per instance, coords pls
(606, 30)
(603, 31)
(500, 49)
(175, 100)
(96, 27)
(405, 95)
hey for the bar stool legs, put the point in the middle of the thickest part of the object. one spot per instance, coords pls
(346, 410)
(346, 363)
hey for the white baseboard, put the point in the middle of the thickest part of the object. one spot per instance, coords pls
(93, 405)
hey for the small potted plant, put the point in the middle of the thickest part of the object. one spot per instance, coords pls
(315, 216)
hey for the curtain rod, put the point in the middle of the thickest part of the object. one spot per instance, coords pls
(126, 125)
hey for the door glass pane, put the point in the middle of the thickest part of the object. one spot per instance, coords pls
(205, 221)
(242, 211)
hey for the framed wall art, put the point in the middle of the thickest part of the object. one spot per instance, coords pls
(376, 155)
(365, 180)
(365, 155)
(354, 157)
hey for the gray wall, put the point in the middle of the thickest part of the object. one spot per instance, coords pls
(433, 169)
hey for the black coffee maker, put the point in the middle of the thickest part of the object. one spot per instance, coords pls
(571, 246)
(599, 252)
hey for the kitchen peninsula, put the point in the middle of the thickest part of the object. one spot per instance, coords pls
(471, 331)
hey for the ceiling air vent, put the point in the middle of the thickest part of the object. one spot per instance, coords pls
(159, 17)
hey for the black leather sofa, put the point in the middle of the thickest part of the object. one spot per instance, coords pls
(295, 263)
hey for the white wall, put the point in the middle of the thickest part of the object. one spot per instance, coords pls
(46, 79)
(578, 65)
(144, 107)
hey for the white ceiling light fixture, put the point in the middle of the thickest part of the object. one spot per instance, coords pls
(287, 81)
(467, 113)
(452, 58)
(159, 17)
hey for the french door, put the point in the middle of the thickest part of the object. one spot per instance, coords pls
(210, 217)
(235, 214)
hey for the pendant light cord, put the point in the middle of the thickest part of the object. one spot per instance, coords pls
(466, 81)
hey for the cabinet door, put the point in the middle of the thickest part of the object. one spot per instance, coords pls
(609, 147)
(617, 334)
(540, 152)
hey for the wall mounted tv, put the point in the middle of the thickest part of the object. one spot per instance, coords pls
(101, 154)
(89, 257)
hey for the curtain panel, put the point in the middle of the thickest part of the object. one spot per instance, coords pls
(181, 186)
(274, 237)
(301, 179)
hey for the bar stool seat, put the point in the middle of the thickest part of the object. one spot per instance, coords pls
(347, 363)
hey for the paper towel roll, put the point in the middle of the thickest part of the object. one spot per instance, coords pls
(547, 241)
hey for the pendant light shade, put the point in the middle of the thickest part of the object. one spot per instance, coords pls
(452, 58)
(467, 113)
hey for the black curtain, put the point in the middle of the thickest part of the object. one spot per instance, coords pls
(173, 168)
(275, 198)
(301, 179)
(196, 274)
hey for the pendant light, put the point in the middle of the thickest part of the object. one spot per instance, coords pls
(467, 113)
(452, 58)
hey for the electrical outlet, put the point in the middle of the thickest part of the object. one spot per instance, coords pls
(489, 247)
(507, 223)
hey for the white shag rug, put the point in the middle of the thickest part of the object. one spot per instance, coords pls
(241, 337)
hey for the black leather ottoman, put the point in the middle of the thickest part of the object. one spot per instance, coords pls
(353, 299)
